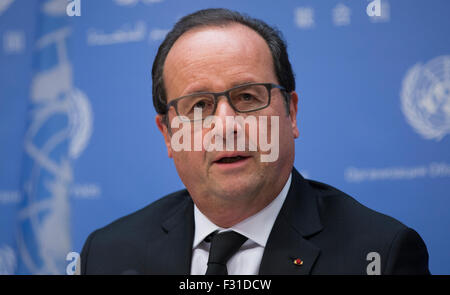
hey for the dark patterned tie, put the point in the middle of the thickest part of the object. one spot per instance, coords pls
(223, 246)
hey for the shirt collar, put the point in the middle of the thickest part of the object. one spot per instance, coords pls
(250, 227)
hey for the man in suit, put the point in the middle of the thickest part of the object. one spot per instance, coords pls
(239, 214)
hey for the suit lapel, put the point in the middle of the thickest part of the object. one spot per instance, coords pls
(173, 252)
(298, 219)
(284, 246)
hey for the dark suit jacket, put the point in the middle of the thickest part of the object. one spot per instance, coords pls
(327, 229)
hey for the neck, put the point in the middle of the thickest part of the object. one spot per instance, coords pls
(228, 211)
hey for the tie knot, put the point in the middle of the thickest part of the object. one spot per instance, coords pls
(223, 246)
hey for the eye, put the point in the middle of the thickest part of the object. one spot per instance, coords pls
(247, 97)
(200, 104)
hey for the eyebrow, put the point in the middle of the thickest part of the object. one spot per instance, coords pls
(235, 84)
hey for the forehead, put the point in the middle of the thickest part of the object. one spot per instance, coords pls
(217, 56)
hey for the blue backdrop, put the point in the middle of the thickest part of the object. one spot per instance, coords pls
(79, 146)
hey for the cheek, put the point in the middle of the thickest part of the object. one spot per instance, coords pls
(191, 169)
(190, 165)
(278, 124)
(287, 142)
(188, 159)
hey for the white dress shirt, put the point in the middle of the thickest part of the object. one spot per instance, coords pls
(256, 228)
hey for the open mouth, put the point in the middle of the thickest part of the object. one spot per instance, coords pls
(229, 160)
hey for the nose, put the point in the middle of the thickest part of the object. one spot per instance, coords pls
(223, 111)
(224, 108)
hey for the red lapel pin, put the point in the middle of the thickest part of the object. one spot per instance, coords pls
(298, 261)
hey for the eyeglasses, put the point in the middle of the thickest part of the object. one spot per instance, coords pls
(243, 99)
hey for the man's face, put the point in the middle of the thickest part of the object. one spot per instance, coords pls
(214, 59)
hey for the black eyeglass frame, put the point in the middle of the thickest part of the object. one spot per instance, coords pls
(226, 93)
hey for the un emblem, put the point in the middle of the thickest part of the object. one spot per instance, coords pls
(425, 98)
(60, 127)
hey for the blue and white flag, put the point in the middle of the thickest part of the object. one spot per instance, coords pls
(58, 129)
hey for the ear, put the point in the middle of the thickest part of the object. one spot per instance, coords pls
(165, 132)
(293, 113)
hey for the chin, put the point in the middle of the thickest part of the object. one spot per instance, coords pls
(237, 187)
